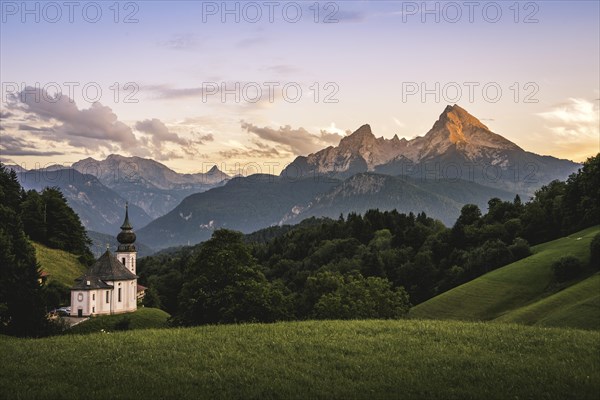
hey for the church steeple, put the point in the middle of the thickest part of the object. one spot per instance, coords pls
(126, 237)
(126, 225)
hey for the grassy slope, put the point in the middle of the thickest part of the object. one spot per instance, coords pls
(61, 265)
(577, 306)
(520, 284)
(143, 318)
(409, 359)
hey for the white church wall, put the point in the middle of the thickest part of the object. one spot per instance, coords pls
(80, 300)
(127, 259)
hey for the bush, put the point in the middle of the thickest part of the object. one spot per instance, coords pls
(567, 268)
(595, 252)
(519, 249)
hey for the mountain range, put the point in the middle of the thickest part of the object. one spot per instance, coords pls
(148, 184)
(458, 161)
(258, 201)
(98, 189)
(100, 208)
(458, 146)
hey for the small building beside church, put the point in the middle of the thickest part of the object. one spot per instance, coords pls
(110, 285)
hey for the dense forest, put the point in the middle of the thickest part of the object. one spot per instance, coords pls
(360, 266)
(43, 217)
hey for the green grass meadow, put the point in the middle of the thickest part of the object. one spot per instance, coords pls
(143, 318)
(406, 359)
(539, 340)
(62, 266)
(525, 292)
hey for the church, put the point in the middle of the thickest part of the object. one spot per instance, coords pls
(110, 284)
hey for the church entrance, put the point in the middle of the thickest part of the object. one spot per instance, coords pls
(80, 313)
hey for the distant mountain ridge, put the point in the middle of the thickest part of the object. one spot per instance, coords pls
(441, 199)
(245, 204)
(149, 184)
(458, 146)
(99, 207)
(259, 201)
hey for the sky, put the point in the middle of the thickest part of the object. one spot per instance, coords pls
(248, 86)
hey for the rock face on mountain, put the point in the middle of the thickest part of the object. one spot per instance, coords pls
(442, 199)
(356, 153)
(149, 184)
(458, 146)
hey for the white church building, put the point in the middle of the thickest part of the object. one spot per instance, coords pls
(110, 285)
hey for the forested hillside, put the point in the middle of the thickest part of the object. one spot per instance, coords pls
(361, 266)
(25, 217)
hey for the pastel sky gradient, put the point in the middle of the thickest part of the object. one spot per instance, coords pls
(176, 53)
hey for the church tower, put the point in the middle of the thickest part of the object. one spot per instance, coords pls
(126, 252)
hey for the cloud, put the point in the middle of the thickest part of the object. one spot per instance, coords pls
(574, 119)
(5, 114)
(29, 128)
(181, 41)
(95, 127)
(159, 135)
(168, 92)
(15, 146)
(159, 132)
(298, 141)
(251, 41)
(575, 125)
(247, 152)
(282, 69)
(348, 16)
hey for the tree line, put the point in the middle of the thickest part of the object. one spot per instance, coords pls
(374, 265)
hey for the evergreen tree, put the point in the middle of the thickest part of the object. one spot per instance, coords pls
(22, 309)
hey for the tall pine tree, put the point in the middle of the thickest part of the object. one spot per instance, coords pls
(22, 309)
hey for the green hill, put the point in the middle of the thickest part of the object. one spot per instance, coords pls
(577, 306)
(524, 291)
(316, 360)
(62, 266)
(143, 318)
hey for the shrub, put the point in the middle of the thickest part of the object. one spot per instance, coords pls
(519, 249)
(567, 268)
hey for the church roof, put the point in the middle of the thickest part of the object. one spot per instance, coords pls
(86, 282)
(108, 268)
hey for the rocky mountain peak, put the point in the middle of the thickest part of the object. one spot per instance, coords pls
(362, 135)
(456, 127)
(459, 116)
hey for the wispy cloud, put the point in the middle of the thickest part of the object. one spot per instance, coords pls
(96, 129)
(575, 126)
(574, 119)
(181, 41)
(16, 146)
(297, 141)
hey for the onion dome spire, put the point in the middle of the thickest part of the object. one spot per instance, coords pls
(126, 224)
(126, 237)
